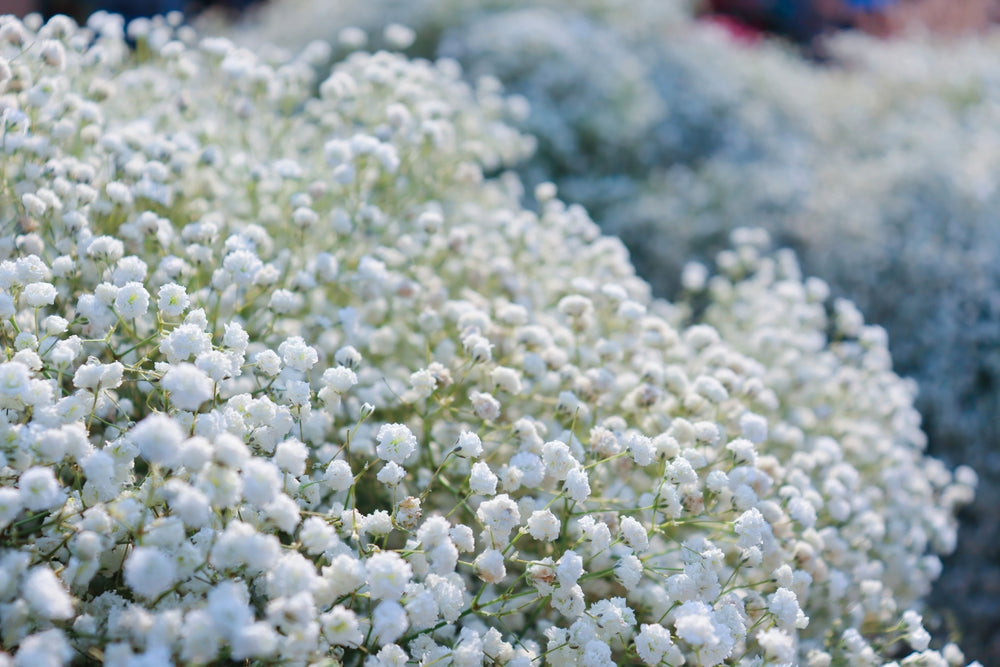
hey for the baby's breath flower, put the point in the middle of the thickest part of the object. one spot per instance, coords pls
(543, 525)
(172, 300)
(395, 443)
(40, 294)
(297, 456)
(39, 489)
(482, 480)
(188, 385)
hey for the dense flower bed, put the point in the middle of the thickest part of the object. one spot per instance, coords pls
(878, 166)
(292, 375)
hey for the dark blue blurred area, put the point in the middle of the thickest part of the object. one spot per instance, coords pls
(801, 20)
(131, 9)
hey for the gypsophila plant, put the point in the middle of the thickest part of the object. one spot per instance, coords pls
(290, 378)
(878, 165)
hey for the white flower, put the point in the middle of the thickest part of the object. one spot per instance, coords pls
(159, 438)
(778, 644)
(569, 568)
(754, 427)
(695, 623)
(40, 294)
(149, 572)
(188, 385)
(10, 506)
(482, 481)
(340, 379)
(916, 636)
(132, 301)
(389, 622)
(490, 566)
(653, 643)
(340, 627)
(391, 474)
(628, 570)
(485, 406)
(243, 265)
(46, 596)
(506, 379)
(348, 356)
(469, 445)
(290, 455)
(558, 459)
(543, 525)
(172, 300)
(44, 649)
(377, 524)
(634, 534)
(395, 443)
(268, 362)
(577, 485)
(338, 475)
(499, 516)
(423, 382)
(399, 36)
(387, 575)
(186, 341)
(256, 640)
(261, 481)
(596, 653)
(642, 449)
(39, 489)
(784, 605)
(296, 354)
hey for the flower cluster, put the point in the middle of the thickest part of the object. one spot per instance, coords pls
(878, 165)
(291, 375)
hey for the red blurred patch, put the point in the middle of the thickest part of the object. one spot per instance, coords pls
(738, 31)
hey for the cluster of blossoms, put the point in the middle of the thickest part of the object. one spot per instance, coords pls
(291, 375)
(877, 165)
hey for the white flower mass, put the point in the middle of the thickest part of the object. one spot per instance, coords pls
(381, 412)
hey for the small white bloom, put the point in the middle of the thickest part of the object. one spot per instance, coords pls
(268, 362)
(10, 506)
(389, 622)
(261, 481)
(149, 572)
(391, 474)
(159, 438)
(338, 475)
(340, 379)
(296, 354)
(653, 643)
(39, 489)
(490, 566)
(399, 36)
(577, 485)
(132, 301)
(172, 300)
(499, 516)
(634, 534)
(506, 379)
(469, 445)
(340, 627)
(543, 525)
(388, 575)
(482, 481)
(46, 596)
(188, 386)
(40, 294)
(395, 443)
(485, 406)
